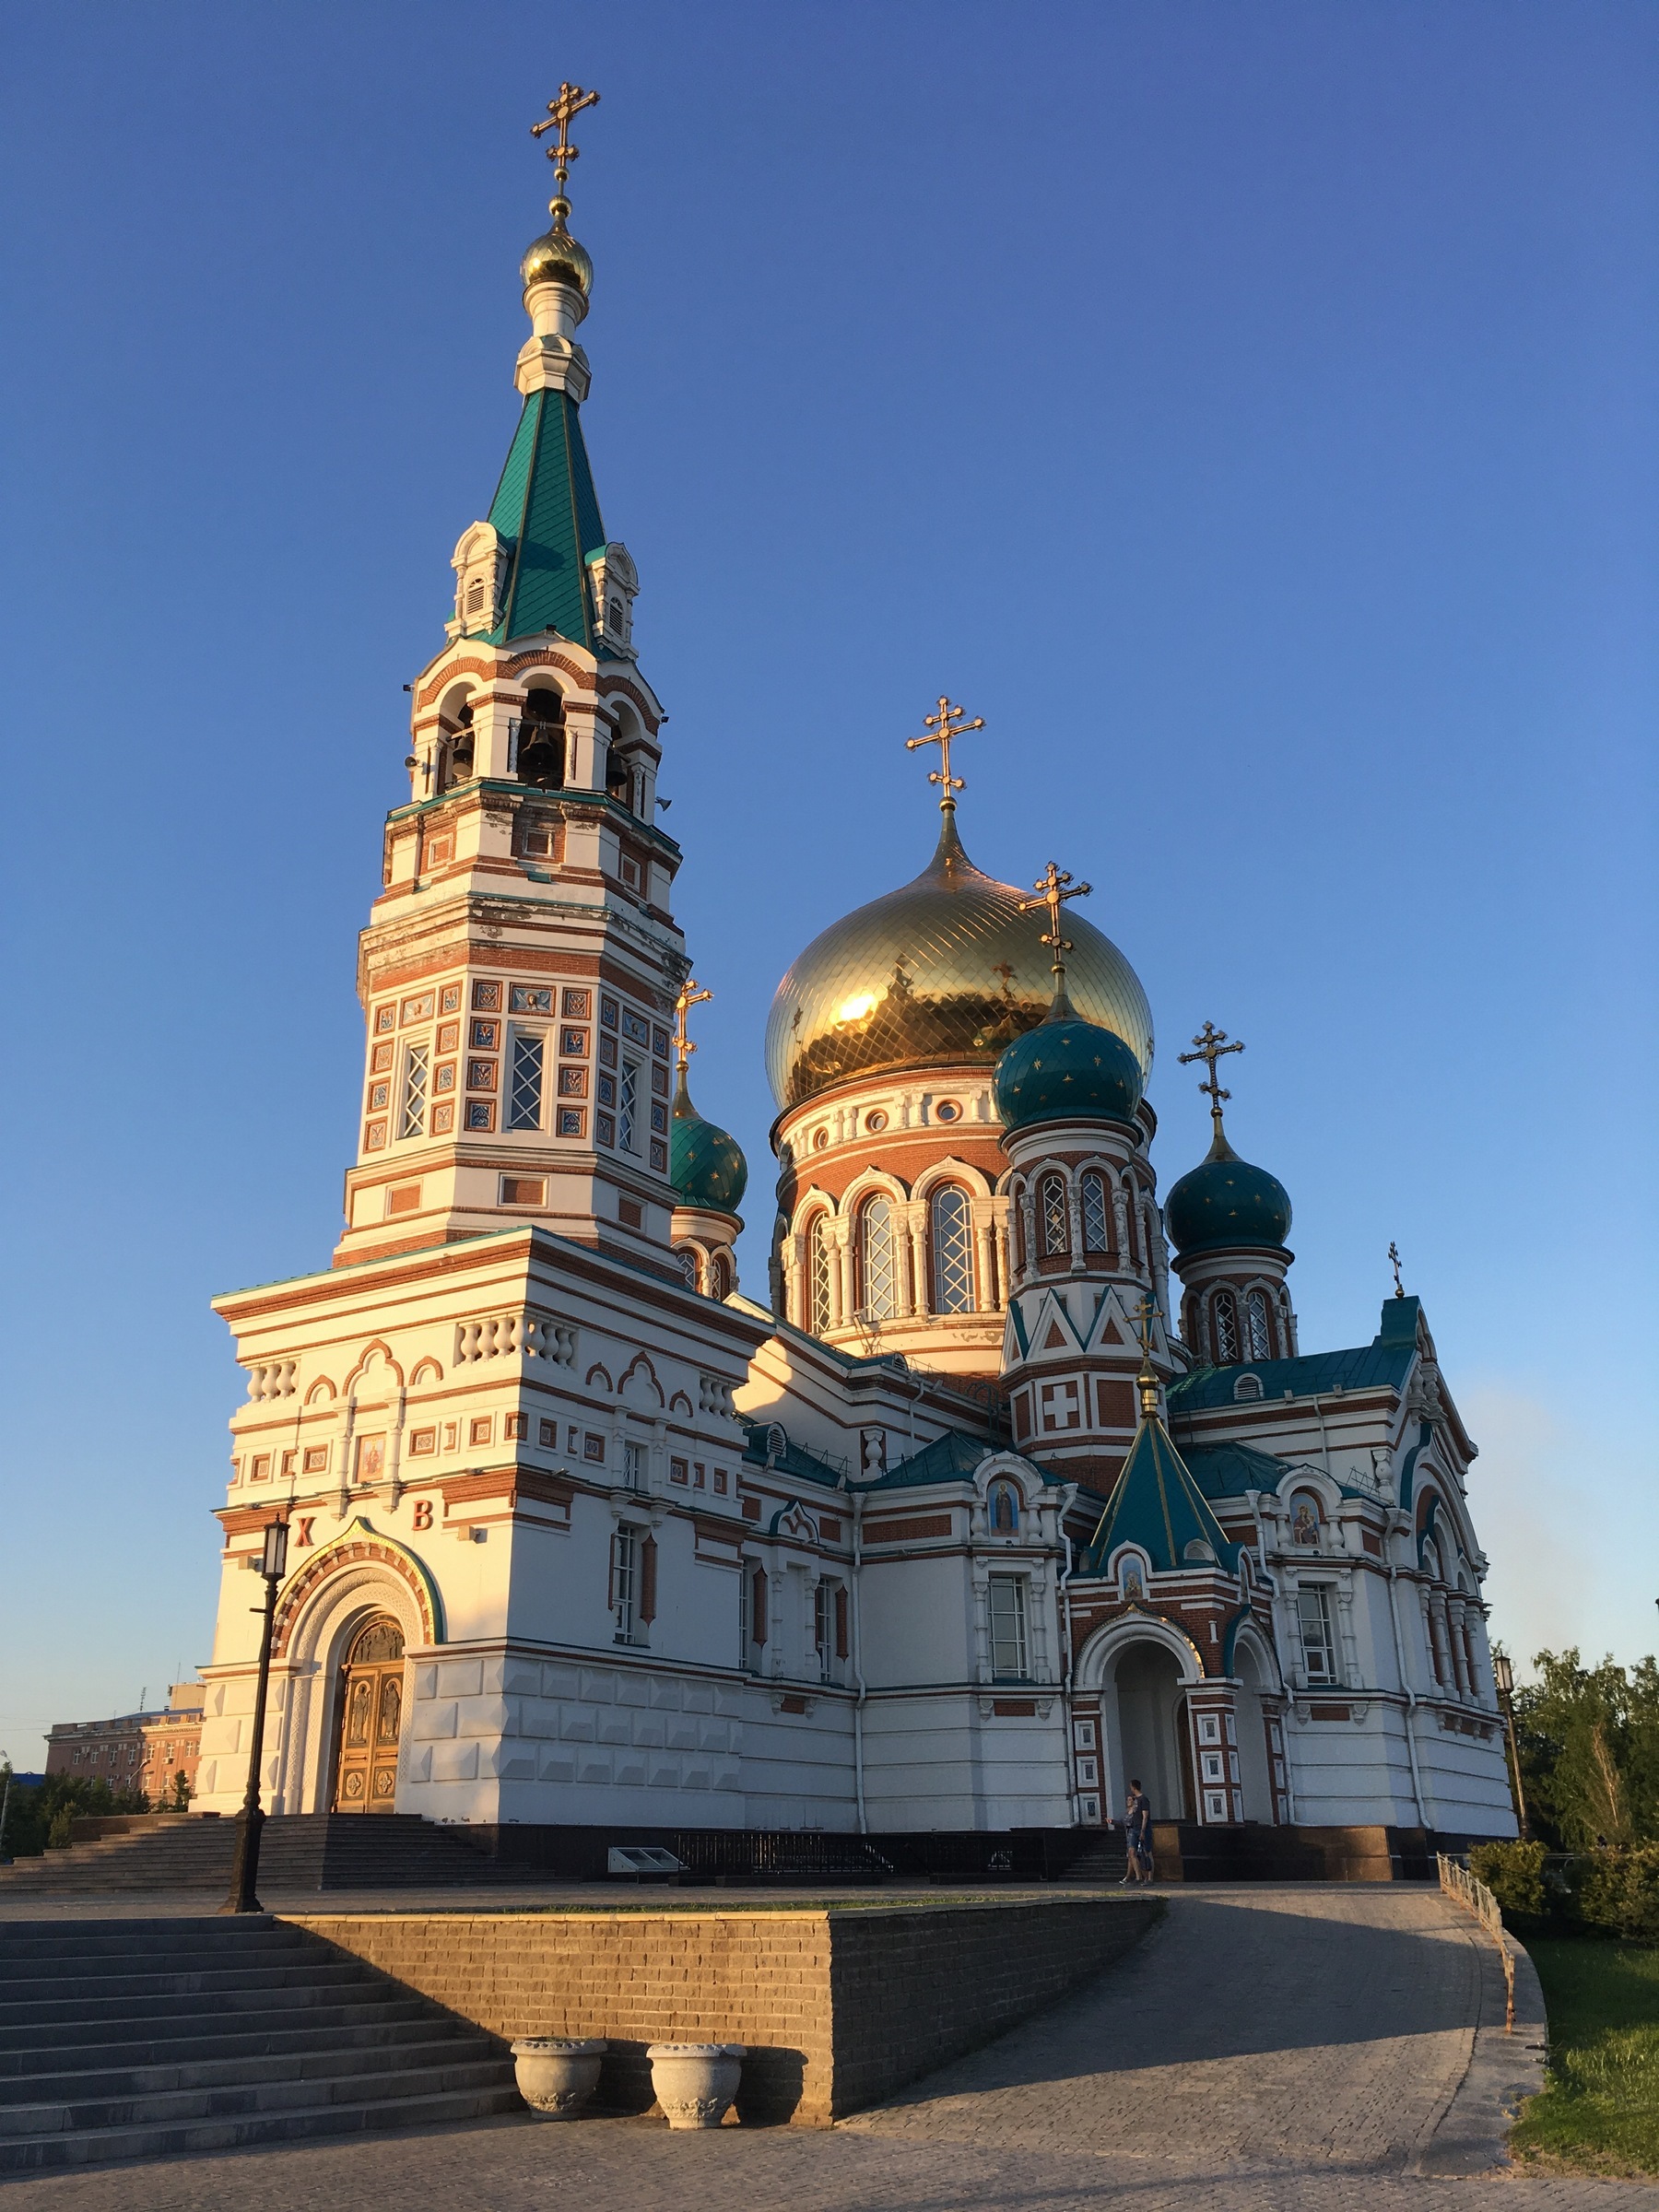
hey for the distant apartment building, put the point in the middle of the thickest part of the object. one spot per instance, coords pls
(136, 1750)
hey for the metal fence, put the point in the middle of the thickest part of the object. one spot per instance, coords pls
(1477, 1898)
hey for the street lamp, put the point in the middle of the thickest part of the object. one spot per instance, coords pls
(1503, 1674)
(245, 1874)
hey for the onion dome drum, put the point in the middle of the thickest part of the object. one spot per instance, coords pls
(946, 970)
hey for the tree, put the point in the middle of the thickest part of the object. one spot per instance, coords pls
(1589, 1741)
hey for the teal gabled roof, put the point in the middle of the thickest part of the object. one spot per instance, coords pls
(794, 1460)
(1234, 1470)
(546, 512)
(1385, 1361)
(1157, 1504)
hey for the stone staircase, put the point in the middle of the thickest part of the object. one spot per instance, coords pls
(133, 2039)
(298, 1852)
(1104, 1859)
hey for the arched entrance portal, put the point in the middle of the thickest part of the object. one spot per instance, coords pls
(1145, 1714)
(372, 1696)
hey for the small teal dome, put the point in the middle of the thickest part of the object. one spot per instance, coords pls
(1065, 1069)
(705, 1166)
(1225, 1201)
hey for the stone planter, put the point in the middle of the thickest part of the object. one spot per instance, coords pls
(557, 2072)
(695, 2083)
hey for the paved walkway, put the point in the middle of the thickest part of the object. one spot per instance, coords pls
(1265, 2050)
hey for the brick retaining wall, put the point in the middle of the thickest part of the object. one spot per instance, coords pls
(839, 2008)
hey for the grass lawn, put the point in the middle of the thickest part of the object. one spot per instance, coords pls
(1599, 2110)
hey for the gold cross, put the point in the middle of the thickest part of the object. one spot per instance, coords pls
(1050, 894)
(944, 728)
(1147, 1380)
(1394, 1255)
(691, 995)
(1212, 1045)
(563, 111)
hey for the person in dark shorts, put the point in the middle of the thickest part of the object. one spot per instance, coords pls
(1137, 1835)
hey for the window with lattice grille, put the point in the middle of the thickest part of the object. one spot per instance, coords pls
(524, 1082)
(818, 1261)
(952, 1251)
(1007, 1595)
(418, 1072)
(628, 1111)
(1056, 1229)
(1227, 1329)
(1261, 1340)
(878, 1258)
(1094, 1213)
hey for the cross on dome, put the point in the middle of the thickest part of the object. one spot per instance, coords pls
(562, 110)
(944, 728)
(1212, 1045)
(1050, 893)
(691, 995)
(1394, 1261)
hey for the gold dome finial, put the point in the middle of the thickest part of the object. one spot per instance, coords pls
(1212, 1045)
(562, 110)
(943, 729)
(1050, 893)
(1147, 1380)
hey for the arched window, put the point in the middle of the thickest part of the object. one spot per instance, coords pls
(877, 1262)
(687, 1264)
(818, 1263)
(1051, 1205)
(541, 741)
(952, 1218)
(458, 762)
(1005, 1509)
(1261, 1335)
(1224, 1315)
(1095, 1214)
(720, 1274)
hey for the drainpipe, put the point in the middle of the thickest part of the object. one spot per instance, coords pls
(1065, 1673)
(1324, 1441)
(1393, 1616)
(858, 1679)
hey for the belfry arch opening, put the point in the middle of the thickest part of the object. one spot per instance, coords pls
(541, 740)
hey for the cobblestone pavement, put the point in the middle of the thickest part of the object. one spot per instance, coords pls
(1272, 2050)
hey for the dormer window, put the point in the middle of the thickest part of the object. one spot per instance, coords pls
(1247, 1387)
(613, 580)
(480, 564)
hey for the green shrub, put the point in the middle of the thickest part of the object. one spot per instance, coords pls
(57, 1835)
(1514, 1874)
(1619, 1891)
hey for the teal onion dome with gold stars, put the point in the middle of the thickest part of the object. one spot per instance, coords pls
(1067, 1069)
(705, 1166)
(1223, 1201)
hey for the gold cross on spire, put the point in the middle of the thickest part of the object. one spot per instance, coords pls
(1212, 1045)
(691, 995)
(562, 112)
(1394, 1261)
(944, 728)
(1050, 894)
(1147, 1380)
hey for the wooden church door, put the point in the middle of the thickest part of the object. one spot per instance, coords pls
(371, 1688)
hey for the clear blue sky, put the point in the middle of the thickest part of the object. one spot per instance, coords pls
(1250, 411)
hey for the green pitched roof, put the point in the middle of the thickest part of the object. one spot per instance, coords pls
(1386, 1360)
(1157, 1504)
(1233, 1470)
(547, 511)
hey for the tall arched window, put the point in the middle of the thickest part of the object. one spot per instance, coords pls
(878, 1261)
(1050, 1206)
(721, 1285)
(687, 1264)
(1095, 1212)
(1224, 1317)
(818, 1263)
(1261, 1335)
(952, 1220)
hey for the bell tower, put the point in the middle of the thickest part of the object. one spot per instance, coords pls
(520, 969)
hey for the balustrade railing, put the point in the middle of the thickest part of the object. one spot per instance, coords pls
(1476, 1898)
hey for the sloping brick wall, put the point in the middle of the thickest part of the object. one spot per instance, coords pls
(838, 2008)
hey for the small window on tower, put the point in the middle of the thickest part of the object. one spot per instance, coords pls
(1226, 1317)
(525, 1087)
(411, 1118)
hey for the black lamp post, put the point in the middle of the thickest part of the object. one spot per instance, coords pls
(244, 1877)
(1503, 1674)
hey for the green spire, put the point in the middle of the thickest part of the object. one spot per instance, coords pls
(546, 514)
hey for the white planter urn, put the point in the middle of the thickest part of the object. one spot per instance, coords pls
(557, 2072)
(695, 2083)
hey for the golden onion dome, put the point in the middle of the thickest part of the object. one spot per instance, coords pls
(556, 258)
(947, 969)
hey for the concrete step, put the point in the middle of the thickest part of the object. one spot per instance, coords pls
(426, 2048)
(322, 2025)
(70, 2012)
(265, 2094)
(102, 2146)
(163, 1981)
(307, 1851)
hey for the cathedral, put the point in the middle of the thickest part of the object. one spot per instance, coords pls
(1015, 1484)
